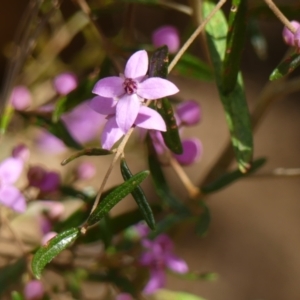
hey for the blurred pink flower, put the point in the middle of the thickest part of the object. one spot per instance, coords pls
(34, 290)
(22, 152)
(131, 89)
(20, 97)
(166, 35)
(65, 83)
(85, 170)
(10, 196)
(47, 237)
(158, 257)
(40, 178)
(290, 38)
(124, 296)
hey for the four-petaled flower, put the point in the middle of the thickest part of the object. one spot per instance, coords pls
(10, 196)
(157, 258)
(146, 118)
(132, 88)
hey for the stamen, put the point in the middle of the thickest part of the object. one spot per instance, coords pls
(130, 86)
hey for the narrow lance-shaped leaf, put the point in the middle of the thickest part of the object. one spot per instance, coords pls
(10, 274)
(160, 184)
(87, 152)
(115, 197)
(58, 129)
(16, 296)
(234, 103)
(203, 221)
(158, 67)
(46, 253)
(287, 66)
(230, 177)
(191, 66)
(235, 45)
(139, 197)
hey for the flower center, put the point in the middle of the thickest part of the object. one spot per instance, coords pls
(130, 86)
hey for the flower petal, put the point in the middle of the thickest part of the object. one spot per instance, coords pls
(189, 112)
(192, 150)
(176, 264)
(137, 65)
(102, 105)
(157, 280)
(109, 87)
(10, 170)
(50, 182)
(11, 197)
(156, 88)
(127, 110)
(148, 118)
(111, 133)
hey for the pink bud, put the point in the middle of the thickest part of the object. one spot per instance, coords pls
(297, 38)
(47, 237)
(189, 112)
(53, 209)
(65, 83)
(85, 170)
(166, 35)
(34, 290)
(288, 36)
(124, 296)
(192, 151)
(20, 97)
(22, 152)
(49, 143)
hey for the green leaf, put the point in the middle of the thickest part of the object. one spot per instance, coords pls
(230, 177)
(16, 296)
(191, 66)
(6, 118)
(46, 253)
(203, 222)
(258, 39)
(235, 45)
(106, 230)
(115, 197)
(139, 197)
(287, 66)
(158, 63)
(234, 103)
(160, 184)
(164, 294)
(87, 152)
(193, 276)
(171, 136)
(11, 273)
(69, 191)
(58, 129)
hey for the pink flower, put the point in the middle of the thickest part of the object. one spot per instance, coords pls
(146, 118)
(188, 113)
(22, 152)
(166, 35)
(20, 97)
(49, 143)
(34, 290)
(10, 196)
(47, 237)
(289, 37)
(131, 89)
(65, 83)
(124, 296)
(85, 170)
(158, 257)
(40, 178)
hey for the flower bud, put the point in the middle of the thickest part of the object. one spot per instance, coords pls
(85, 171)
(166, 35)
(288, 36)
(192, 151)
(20, 97)
(22, 152)
(65, 83)
(34, 290)
(47, 237)
(48, 143)
(189, 112)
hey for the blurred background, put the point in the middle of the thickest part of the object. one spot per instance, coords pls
(254, 238)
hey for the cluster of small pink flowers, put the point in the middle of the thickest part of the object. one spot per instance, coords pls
(292, 39)
(122, 99)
